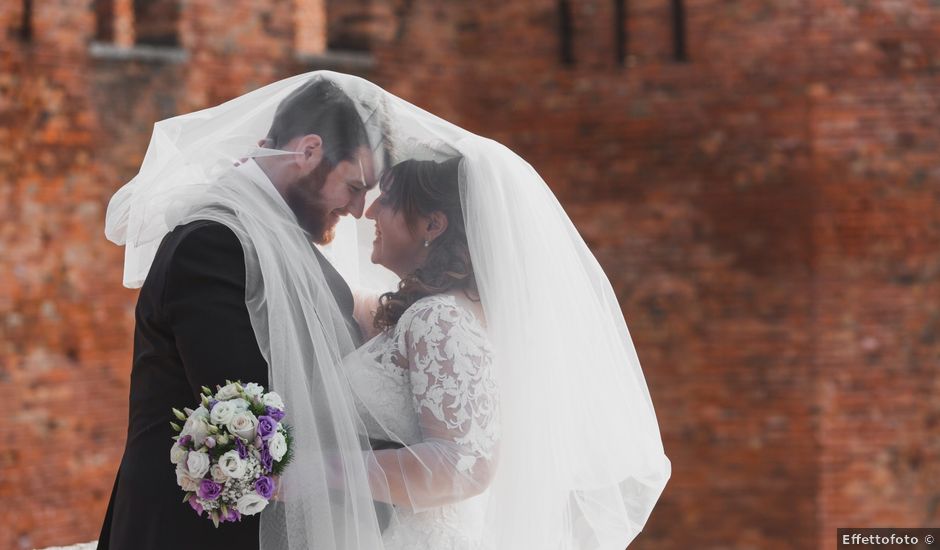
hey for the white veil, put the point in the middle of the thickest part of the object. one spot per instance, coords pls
(581, 462)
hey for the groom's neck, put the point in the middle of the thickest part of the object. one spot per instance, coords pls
(275, 173)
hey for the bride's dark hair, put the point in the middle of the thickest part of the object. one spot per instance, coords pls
(417, 188)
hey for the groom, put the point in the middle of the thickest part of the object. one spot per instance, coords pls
(193, 327)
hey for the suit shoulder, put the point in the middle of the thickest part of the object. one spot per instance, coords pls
(204, 250)
(202, 234)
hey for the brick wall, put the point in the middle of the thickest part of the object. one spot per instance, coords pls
(766, 211)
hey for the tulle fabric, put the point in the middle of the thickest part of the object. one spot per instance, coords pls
(578, 463)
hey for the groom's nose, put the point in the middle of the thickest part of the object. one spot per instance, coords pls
(357, 205)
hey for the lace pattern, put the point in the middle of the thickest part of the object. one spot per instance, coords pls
(431, 378)
(452, 379)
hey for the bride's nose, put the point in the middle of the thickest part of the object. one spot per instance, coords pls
(370, 212)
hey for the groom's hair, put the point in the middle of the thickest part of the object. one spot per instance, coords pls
(320, 107)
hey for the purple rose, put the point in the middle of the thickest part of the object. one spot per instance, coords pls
(212, 403)
(209, 490)
(267, 461)
(242, 450)
(276, 414)
(232, 516)
(266, 427)
(265, 487)
(194, 502)
(185, 441)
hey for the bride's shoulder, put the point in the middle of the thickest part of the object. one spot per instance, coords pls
(448, 309)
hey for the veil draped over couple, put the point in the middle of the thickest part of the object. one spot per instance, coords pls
(452, 359)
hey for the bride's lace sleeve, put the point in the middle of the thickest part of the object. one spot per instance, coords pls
(449, 360)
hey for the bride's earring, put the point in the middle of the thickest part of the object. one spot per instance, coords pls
(426, 243)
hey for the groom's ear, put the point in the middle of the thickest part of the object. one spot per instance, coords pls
(437, 224)
(311, 147)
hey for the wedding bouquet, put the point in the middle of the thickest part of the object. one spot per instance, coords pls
(230, 451)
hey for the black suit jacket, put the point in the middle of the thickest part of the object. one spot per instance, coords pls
(192, 329)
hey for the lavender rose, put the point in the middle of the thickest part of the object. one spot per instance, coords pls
(242, 450)
(194, 502)
(267, 461)
(232, 516)
(273, 412)
(209, 490)
(267, 426)
(265, 487)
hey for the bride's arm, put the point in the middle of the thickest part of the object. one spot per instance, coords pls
(455, 397)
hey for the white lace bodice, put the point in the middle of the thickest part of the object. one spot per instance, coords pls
(430, 378)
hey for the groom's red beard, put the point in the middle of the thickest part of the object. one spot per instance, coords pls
(305, 200)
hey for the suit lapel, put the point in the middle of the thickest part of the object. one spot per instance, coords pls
(341, 292)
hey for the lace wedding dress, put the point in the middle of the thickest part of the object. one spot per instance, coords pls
(429, 383)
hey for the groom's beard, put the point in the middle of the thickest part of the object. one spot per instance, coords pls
(304, 199)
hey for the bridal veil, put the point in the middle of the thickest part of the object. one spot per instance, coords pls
(581, 462)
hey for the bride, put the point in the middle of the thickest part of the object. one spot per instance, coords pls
(501, 362)
(428, 376)
(499, 365)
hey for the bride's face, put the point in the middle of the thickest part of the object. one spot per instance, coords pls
(396, 246)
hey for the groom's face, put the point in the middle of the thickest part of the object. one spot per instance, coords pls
(321, 197)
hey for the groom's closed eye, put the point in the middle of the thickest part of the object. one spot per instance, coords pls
(356, 186)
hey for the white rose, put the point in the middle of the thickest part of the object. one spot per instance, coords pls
(272, 399)
(240, 404)
(217, 474)
(277, 446)
(197, 464)
(254, 390)
(197, 428)
(232, 465)
(184, 481)
(227, 392)
(222, 413)
(177, 454)
(244, 425)
(250, 504)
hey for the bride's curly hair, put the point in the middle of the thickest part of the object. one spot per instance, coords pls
(417, 188)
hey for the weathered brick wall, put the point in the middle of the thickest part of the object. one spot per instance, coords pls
(875, 107)
(693, 183)
(63, 325)
(766, 213)
(157, 22)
